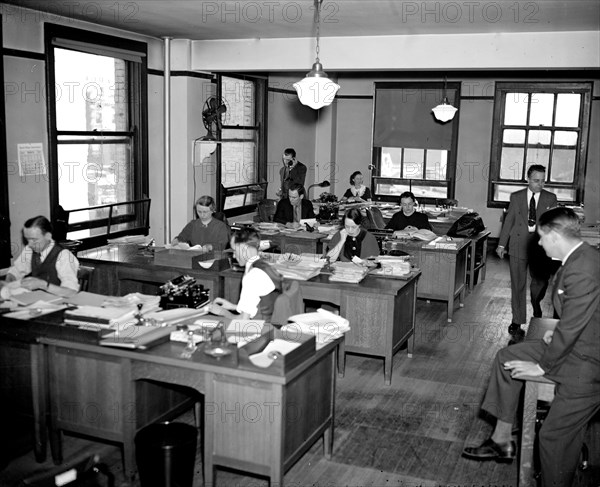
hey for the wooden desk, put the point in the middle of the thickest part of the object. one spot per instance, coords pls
(297, 242)
(123, 269)
(254, 421)
(28, 377)
(536, 388)
(381, 312)
(443, 271)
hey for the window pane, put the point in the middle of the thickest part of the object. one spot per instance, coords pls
(391, 158)
(514, 136)
(564, 194)
(565, 138)
(541, 137)
(538, 156)
(511, 163)
(502, 192)
(429, 191)
(515, 109)
(94, 174)
(567, 110)
(240, 98)
(413, 164)
(563, 166)
(238, 161)
(392, 189)
(437, 163)
(91, 92)
(542, 107)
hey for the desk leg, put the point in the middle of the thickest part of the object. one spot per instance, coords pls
(526, 467)
(483, 260)
(471, 271)
(387, 370)
(328, 434)
(410, 346)
(39, 381)
(341, 356)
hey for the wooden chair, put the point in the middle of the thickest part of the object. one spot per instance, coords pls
(266, 210)
(84, 276)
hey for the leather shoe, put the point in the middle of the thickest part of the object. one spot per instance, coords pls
(515, 329)
(490, 450)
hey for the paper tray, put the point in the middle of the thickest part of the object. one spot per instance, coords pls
(284, 363)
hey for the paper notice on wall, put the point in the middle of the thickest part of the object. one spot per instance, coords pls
(31, 159)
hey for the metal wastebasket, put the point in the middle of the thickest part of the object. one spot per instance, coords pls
(165, 454)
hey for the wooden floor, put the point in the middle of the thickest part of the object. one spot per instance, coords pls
(408, 434)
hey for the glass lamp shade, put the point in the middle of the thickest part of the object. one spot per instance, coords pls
(444, 112)
(316, 90)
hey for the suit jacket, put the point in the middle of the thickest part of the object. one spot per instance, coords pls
(574, 353)
(285, 212)
(515, 231)
(296, 174)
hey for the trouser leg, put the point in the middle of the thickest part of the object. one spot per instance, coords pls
(518, 289)
(503, 392)
(562, 434)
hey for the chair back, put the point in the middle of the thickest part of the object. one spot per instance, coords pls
(266, 210)
(378, 221)
(84, 276)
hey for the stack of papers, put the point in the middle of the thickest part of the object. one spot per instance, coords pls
(100, 317)
(443, 243)
(422, 234)
(324, 325)
(394, 266)
(148, 302)
(295, 266)
(133, 336)
(348, 272)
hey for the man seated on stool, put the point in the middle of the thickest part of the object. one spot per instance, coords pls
(294, 208)
(44, 264)
(569, 356)
(408, 218)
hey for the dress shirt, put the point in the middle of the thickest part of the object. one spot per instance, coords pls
(255, 284)
(67, 265)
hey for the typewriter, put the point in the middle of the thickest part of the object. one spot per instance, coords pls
(183, 292)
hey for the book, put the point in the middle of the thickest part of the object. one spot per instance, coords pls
(31, 297)
(140, 337)
(421, 234)
(99, 315)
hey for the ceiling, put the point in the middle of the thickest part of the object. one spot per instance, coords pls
(243, 19)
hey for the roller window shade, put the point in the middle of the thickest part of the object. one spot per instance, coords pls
(403, 118)
(100, 50)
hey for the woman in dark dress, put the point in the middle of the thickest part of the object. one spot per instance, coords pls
(352, 240)
(357, 192)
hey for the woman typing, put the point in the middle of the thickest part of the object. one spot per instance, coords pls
(352, 240)
(207, 230)
(358, 192)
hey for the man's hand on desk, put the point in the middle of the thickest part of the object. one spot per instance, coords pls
(520, 368)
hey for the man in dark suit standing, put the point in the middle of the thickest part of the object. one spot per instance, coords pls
(294, 208)
(292, 172)
(569, 356)
(518, 231)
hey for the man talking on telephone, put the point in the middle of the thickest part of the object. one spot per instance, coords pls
(292, 172)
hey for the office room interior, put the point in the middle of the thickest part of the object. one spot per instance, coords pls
(335, 140)
(422, 48)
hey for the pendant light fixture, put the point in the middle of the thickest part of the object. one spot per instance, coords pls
(316, 90)
(444, 112)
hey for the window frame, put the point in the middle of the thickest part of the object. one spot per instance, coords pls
(553, 87)
(451, 164)
(137, 75)
(260, 104)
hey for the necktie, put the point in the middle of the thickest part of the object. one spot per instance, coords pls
(36, 261)
(531, 217)
(297, 214)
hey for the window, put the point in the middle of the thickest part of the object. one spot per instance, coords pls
(97, 131)
(411, 150)
(242, 148)
(539, 123)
